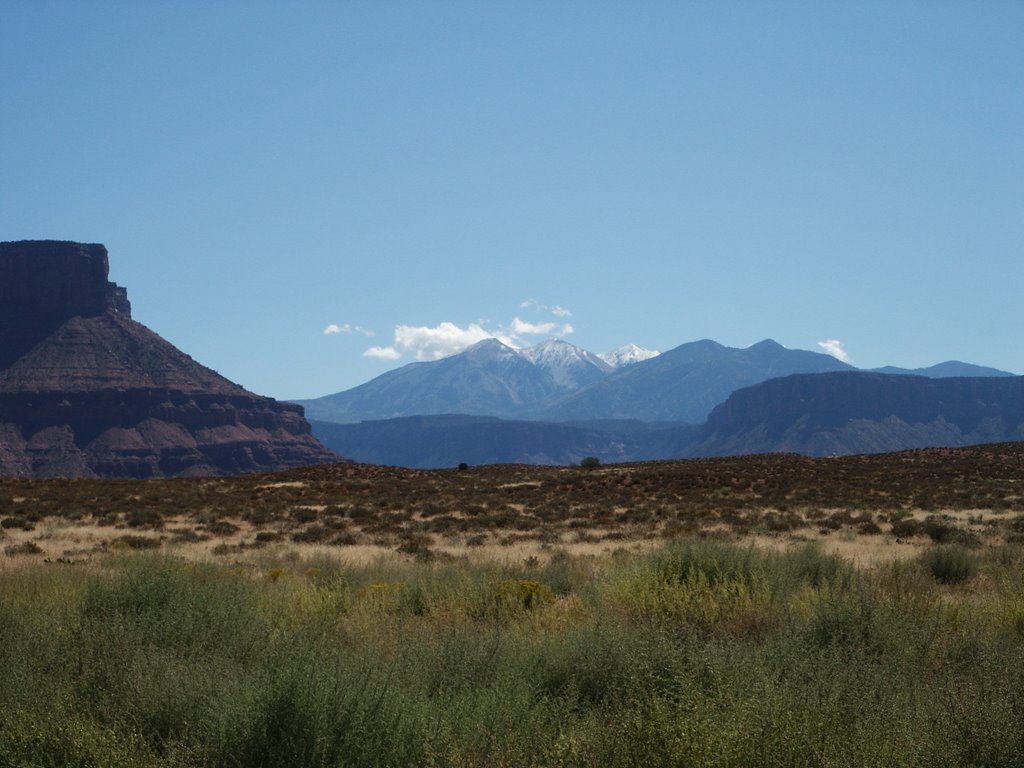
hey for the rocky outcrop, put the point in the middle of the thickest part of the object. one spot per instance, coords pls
(87, 391)
(44, 284)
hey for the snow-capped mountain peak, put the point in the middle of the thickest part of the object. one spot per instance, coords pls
(490, 350)
(569, 365)
(627, 355)
(558, 352)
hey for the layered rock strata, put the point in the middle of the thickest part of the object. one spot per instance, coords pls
(87, 391)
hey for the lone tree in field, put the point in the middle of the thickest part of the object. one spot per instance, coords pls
(590, 462)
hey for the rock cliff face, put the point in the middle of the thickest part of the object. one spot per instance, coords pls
(45, 283)
(87, 391)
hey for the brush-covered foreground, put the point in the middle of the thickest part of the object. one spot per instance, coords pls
(661, 614)
(855, 504)
(701, 653)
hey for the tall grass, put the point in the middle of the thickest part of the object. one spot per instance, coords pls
(700, 654)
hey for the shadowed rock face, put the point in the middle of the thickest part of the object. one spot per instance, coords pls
(45, 283)
(87, 391)
(861, 412)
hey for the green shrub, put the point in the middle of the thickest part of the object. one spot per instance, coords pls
(951, 563)
(524, 593)
(57, 740)
(810, 566)
(699, 653)
(714, 561)
(939, 531)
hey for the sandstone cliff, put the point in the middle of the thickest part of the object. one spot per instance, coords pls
(87, 391)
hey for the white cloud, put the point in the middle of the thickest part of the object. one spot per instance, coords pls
(334, 328)
(383, 353)
(834, 347)
(558, 310)
(442, 340)
(522, 327)
(439, 341)
(447, 338)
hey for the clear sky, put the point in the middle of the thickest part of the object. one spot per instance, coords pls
(608, 172)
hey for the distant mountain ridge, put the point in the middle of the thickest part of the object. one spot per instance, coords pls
(487, 379)
(863, 412)
(555, 402)
(685, 383)
(947, 370)
(557, 381)
(823, 414)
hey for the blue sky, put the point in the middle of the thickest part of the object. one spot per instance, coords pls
(609, 172)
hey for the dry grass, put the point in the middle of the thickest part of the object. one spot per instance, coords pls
(869, 509)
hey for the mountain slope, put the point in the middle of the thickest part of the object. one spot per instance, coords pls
(685, 383)
(109, 351)
(861, 412)
(627, 355)
(488, 378)
(557, 381)
(569, 366)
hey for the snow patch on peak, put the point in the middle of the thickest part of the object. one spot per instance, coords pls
(555, 352)
(627, 355)
(490, 349)
(569, 365)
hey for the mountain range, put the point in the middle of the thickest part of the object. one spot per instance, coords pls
(556, 403)
(823, 414)
(556, 381)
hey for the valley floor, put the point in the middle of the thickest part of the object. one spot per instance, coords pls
(870, 508)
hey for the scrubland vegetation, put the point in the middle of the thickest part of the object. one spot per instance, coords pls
(968, 496)
(720, 629)
(702, 653)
